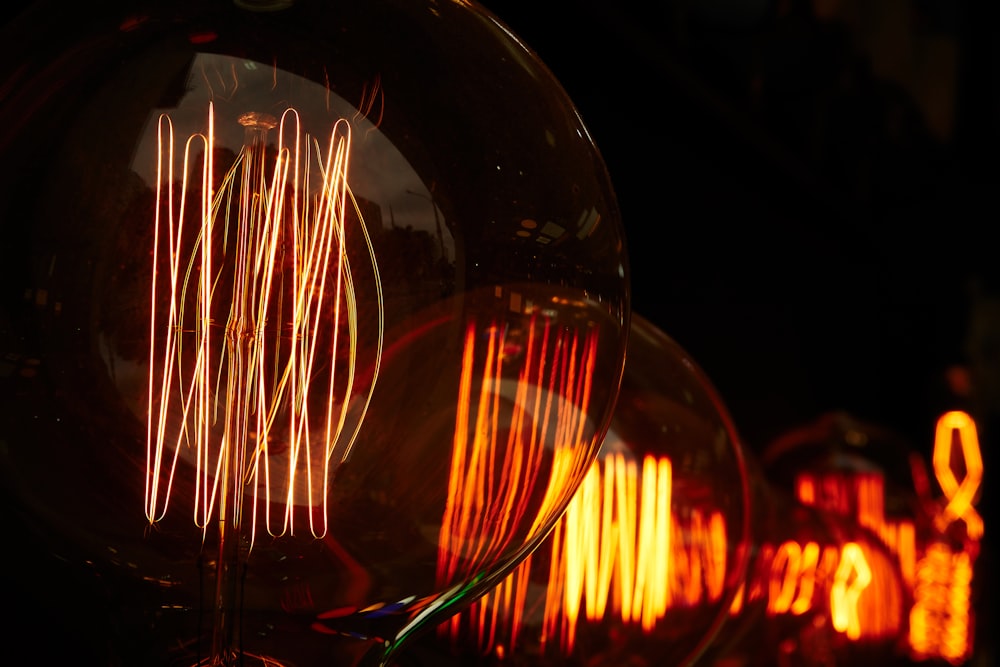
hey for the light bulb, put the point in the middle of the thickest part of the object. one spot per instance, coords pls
(314, 315)
(868, 481)
(821, 590)
(644, 566)
(945, 583)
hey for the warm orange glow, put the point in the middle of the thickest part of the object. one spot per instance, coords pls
(800, 568)
(612, 541)
(941, 617)
(852, 577)
(496, 456)
(860, 496)
(618, 552)
(852, 583)
(253, 323)
(952, 426)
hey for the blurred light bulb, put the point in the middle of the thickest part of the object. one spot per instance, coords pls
(643, 566)
(313, 319)
(821, 590)
(943, 617)
(870, 480)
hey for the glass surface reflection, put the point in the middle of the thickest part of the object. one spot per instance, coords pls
(313, 317)
(645, 564)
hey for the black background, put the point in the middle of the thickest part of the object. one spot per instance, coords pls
(809, 192)
(795, 219)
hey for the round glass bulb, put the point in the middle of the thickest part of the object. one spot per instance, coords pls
(820, 590)
(870, 477)
(644, 566)
(313, 318)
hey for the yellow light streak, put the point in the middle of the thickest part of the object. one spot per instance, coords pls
(253, 324)
(852, 577)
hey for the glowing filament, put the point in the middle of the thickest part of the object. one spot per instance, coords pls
(852, 577)
(941, 617)
(253, 325)
(860, 496)
(500, 441)
(618, 552)
(960, 495)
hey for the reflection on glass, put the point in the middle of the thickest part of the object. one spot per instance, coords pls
(285, 377)
(645, 563)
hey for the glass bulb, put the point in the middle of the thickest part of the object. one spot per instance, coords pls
(644, 566)
(865, 478)
(821, 590)
(313, 318)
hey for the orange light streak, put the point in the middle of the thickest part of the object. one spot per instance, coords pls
(941, 617)
(785, 573)
(852, 577)
(251, 291)
(860, 496)
(697, 558)
(960, 495)
(618, 552)
(493, 477)
(852, 583)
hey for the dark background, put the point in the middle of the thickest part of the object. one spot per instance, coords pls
(809, 192)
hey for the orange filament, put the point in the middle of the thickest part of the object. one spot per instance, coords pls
(857, 588)
(957, 425)
(860, 496)
(941, 617)
(617, 552)
(794, 578)
(494, 475)
(852, 577)
(251, 291)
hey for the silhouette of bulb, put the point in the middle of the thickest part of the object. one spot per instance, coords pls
(313, 318)
(644, 565)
